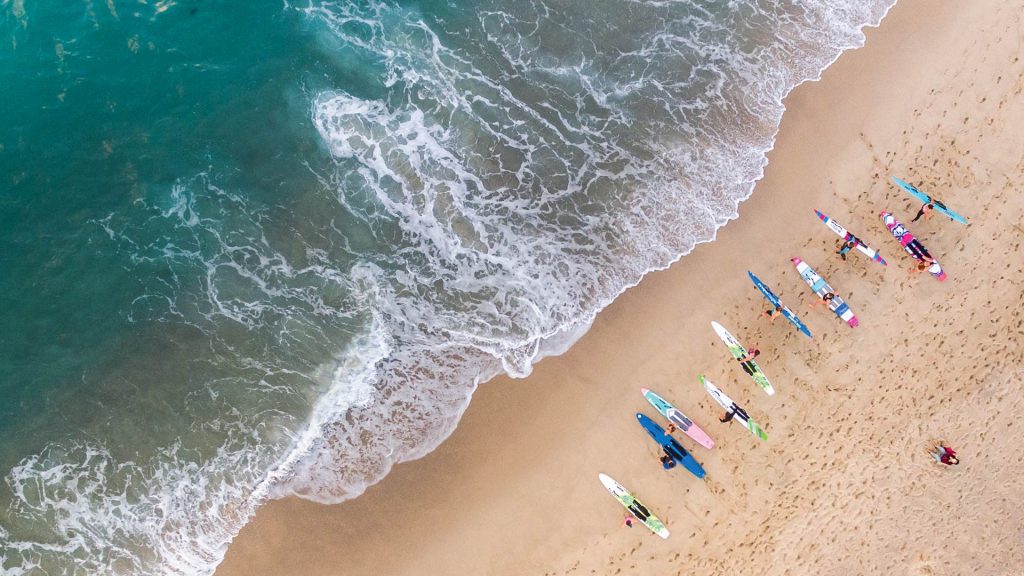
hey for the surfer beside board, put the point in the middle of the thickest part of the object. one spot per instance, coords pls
(779, 307)
(733, 411)
(929, 203)
(913, 246)
(849, 241)
(635, 507)
(744, 357)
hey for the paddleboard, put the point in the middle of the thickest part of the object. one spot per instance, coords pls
(728, 403)
(820, 287)
(846, 236)
(771, 297)
(671, 446)
(675, 416)
(911, 244)
(926, 199)
(738, 351)
(638, 510)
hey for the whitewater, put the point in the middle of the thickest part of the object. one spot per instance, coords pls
(307, 240)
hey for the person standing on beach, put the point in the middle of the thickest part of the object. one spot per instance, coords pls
(923, 265)
(667, 462)
(771, 314)
(627, 522)
(926, 211)
(944, 454)
(733, 412)
(825, 300)
(845, 247)
(747, 362)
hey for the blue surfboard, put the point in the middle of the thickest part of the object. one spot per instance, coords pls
(670, 445)
(771, 297)
(926, 199)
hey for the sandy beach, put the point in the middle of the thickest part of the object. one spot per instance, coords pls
(844, 484)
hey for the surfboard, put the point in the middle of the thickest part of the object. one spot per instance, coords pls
(820, 287)
(926, 199)
(728, 403)
(911, 244)
(771, 297)
(635, 507)
(738, 351)
(675, 416)
(846, 236)
(671, 446)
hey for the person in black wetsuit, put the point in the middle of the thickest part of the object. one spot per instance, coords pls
(733, 412)
(926, 211)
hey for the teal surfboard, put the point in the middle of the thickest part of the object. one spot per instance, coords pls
(926, 199)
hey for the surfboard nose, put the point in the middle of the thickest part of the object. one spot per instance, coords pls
(644, 390)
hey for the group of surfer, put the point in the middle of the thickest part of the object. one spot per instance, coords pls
(940, 452)
(922, 265)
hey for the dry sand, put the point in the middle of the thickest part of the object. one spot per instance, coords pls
(843, 485)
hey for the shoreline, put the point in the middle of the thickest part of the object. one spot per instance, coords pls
(518, 469)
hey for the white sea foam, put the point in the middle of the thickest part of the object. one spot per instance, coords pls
(447, 159)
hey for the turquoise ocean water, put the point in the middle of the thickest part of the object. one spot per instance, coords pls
(253, 249)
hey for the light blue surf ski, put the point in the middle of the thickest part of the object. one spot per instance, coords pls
(771, 297)
(926, 199)
(669, 444)
(676, 417)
